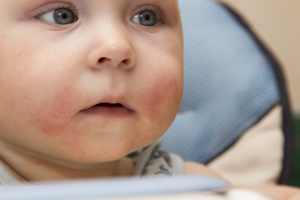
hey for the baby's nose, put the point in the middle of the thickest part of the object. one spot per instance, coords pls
(115, 50)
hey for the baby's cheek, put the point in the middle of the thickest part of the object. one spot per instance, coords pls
(161, 99)
(54, 117)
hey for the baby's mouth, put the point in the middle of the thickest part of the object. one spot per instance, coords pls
(106, 109)
(116, 105)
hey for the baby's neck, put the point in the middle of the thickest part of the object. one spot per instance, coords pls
(26, 168)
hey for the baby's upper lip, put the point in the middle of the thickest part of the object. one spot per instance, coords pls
(112, 101)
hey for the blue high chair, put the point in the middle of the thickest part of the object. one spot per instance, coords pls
(235, 115)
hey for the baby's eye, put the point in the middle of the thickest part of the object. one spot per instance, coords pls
(61, 16)
(145, 18)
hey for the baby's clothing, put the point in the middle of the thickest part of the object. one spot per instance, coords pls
(6, 178)
(151, 161)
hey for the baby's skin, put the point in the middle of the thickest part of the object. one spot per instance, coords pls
(83, 83)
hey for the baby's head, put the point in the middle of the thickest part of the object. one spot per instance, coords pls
(88, 81)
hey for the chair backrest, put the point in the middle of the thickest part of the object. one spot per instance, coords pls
(232, 82)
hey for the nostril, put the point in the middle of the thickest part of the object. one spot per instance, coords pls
(126, 61)
(101, 60)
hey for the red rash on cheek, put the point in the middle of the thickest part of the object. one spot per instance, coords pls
(55, 116)
(161, 96)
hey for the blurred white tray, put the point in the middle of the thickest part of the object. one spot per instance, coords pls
(116, 188)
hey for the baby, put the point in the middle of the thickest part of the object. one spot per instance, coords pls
(85, 83)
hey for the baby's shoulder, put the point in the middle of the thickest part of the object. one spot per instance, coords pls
(154, 161)
(197, 168)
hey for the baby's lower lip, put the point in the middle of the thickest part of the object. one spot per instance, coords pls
(108, 111)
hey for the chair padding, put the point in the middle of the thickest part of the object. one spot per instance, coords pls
(229, 83)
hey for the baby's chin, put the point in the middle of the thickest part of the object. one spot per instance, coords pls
(73, 161)
(93, 153)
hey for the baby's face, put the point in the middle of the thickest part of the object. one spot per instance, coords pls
(88, 80)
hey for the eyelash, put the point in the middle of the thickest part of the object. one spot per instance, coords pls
(160, 14)
(54, 7)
